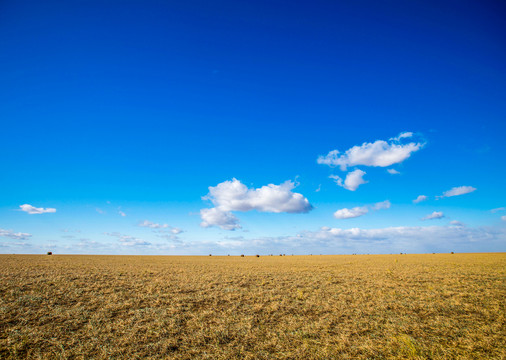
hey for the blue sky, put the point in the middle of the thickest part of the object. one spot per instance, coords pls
(161, 127)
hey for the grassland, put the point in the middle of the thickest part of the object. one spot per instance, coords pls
(435, 306)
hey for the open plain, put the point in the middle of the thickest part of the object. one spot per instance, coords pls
(431, 306)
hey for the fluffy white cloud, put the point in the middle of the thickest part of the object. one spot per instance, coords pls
(235, 196)
(217, 217)
(360, 210)
(232, 195)
(459, 190)
(34, 210)
(419, 199)
(434, 215)
(351, 213)
(14, 235)
(353, 180)
(379, 153)
(393, 171)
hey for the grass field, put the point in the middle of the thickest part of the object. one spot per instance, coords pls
(435, 306)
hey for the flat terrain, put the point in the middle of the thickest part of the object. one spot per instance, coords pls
(435, 306)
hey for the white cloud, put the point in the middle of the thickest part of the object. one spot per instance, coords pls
(170, 237)
(459, 190)
(416, 239)
(379, 153)
(456, 223)
(382, 205)
(434, 215)
(162, 229)
(127, 240)
(100, 211)
(393, 171)
(419, 199)
(403, 135)
(360, 210)
(217, 217)
(13, 235)
(353, 180)
(503, 218)
(235, 196)
(493, 211)
(176, 231)
(34, 210)
(351, 213)
(152, 225)
(232, 195)
(121, 213)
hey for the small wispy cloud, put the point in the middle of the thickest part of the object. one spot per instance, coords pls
(393, 171)
(456, 191)
(169, 237)
(152, 225)
(456, 223)
(403, 135)
(493, 211)
(127, 240)
(161, 228)
(346, 213)
(35, 210)
(382, 205)
(503, 218)
(434, 215)
(70, 230)
(351, 213)
(176, 231)
(419, 199)
(121, 213)
(14, 235)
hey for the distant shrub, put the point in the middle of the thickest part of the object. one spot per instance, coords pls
(452, 252)
(242, 255)
(257, 255)
(49, 253)
(210, 254)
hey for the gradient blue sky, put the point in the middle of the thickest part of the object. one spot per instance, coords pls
(140, 106)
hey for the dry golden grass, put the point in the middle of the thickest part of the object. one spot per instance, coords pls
(438, 306)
